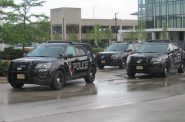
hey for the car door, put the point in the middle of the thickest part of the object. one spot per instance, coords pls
(177, 55)
(71, 60)
(171, 56)
(82, 60)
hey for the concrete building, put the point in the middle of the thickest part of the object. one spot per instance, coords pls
(66, 23)
(159, 14)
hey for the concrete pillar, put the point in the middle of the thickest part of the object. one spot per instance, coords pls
(153, 36)
(80, 32)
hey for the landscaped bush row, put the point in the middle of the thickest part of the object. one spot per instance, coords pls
(3, 68)
(97, 50)
(10, 54)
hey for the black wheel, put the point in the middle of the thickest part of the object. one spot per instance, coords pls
(166, 71)
(91, 75)
(101, 66)
(181, 68)
(17, 85)
(130, 73)
(58, 81)
(122, 65)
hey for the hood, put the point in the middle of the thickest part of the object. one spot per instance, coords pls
(150, 55)
(35, 59)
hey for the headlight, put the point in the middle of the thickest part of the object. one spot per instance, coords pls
(43, 65)
(115, 55)
(156, 60)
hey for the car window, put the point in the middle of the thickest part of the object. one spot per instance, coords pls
(80, 51)
(130, 47)
(152, 48)
(70, 50)
(47, 51)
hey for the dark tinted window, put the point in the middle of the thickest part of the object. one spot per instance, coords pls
(153, 48)
(80, 51)
(70, 50)
(47, 51)
(117, 47)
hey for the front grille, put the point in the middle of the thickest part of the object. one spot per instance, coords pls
(139, 60)
(20, 66)
(106, 57)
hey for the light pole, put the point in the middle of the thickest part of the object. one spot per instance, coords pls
(116, 29)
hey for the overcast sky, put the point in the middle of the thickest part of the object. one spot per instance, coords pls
(103, 9)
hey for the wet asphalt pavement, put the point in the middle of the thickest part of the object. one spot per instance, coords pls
(112, 92)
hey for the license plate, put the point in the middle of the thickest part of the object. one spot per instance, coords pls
(103, 62)
(20, 76)
(139, 67)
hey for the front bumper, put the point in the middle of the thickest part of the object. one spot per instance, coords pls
(110, 62)
(155, 69)
(29, 77)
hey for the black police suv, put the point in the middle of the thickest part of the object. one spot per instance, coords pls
(115, 55)
(156, 58)
(52, 64)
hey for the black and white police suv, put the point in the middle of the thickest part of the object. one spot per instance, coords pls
(156, 58)
(52, 64)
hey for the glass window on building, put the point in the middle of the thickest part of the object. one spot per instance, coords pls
(57, 29)
(115, 29)
(72, 28)
(157, 10)
(164, 9)
(170, 21)
(170, 9)
(127, 27)
(141, 1)
(178, 8)
(87, 29)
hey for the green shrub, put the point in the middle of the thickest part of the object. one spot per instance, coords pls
(3, 68)
(10, 54)
(97, 50)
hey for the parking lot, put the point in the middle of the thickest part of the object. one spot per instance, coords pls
(112, 88)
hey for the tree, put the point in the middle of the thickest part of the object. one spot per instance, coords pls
(21, 17)
(73, 37)
(164, 33)
(6, 4)
(141, 33)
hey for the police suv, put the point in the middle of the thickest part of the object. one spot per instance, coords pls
(156, 58)
(52, 64)
(116, 54)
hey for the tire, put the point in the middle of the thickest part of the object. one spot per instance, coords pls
(101, 67)
(91, 75)
(166, 71)
(17, 85)
(58, 81)
(181, 68)
(122, 65)
(131, 74)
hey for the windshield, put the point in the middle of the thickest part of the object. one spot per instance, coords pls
(47, 51)
(117, 47)
(153, 48)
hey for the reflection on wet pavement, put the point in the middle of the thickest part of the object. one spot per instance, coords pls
(109, 82)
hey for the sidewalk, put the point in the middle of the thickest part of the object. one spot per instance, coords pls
(3, 80)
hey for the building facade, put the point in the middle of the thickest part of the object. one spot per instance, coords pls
(159, 14)
(66, 24)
